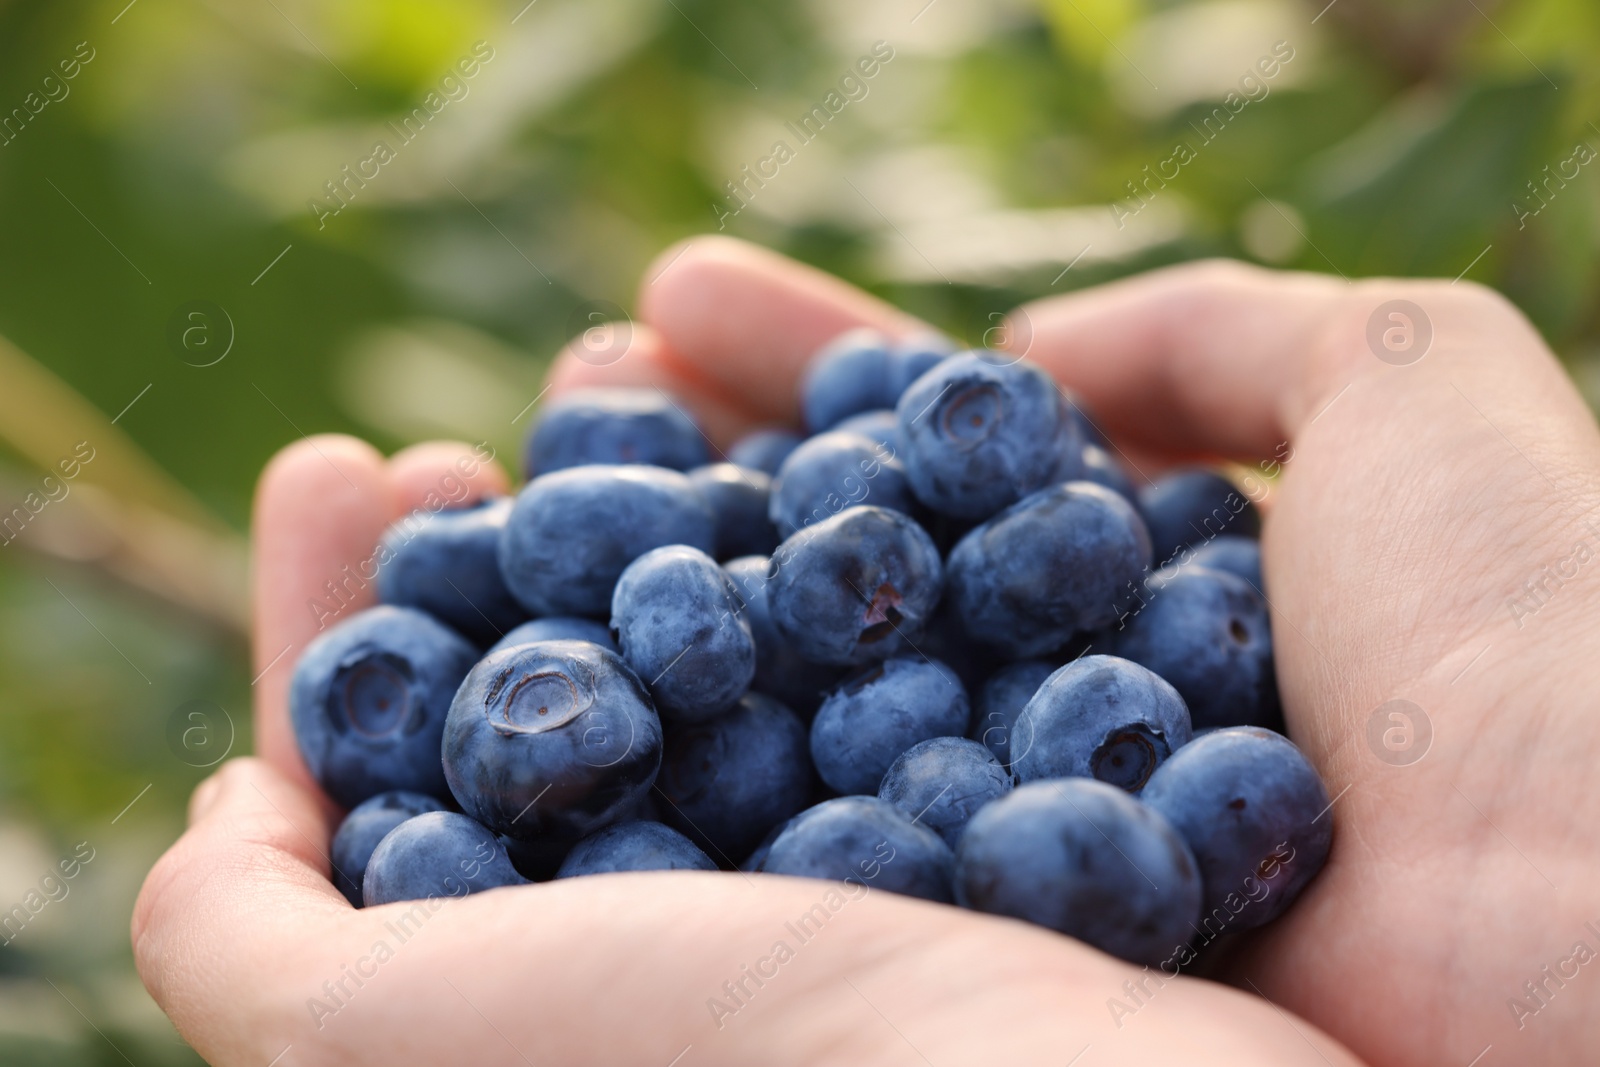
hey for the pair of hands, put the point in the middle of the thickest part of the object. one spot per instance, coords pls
(1418, 501)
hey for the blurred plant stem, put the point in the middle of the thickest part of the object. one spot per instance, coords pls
(131, 520)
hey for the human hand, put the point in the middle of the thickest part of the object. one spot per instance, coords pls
(1427, 542)
(1422, 489)
(238, 927)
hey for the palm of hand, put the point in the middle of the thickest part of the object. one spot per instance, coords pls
(1415, 499)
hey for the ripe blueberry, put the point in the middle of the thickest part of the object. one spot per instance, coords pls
(1000, 700)
(676, 618)
(942, 782)
(436, 854)
(913, 357)
(557, 628)
(1191, 506)
(881, 426)
(571, 533)
(1086, 859)
(834, 471)
(445, 564)
(368, 702)
(1099, 717)
(367, 824)
(981, 434)
(1100, 468)
(1060, 561)
(763, 450)
(1209, 634)
(866, 842)
(780, 671)
(855, 588)
(878, 713)
(613, 426)
(848, 375)
(1234, 554)
(551, 741)
(634, 846)
(726, 782)
(738, 498)
(1254, 812)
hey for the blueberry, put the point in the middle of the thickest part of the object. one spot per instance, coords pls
(946, 640)
(361, 831)
(538, 860)
(647, 810)
(1254, 812)
(855, 588)
(1191, 506)
(368, 702)
(1208, 633)
(941, 784)
(1100, 468)
(758, 856)
(728, 781)
(552, 740)
(571, 533)
(848, 375)
(557, 628)
(865, 841)
(634, 846)
(1059, 561)
(763, 450)
(1099, 717)
(738, 498)
(834, 471)
(981, 434)
(445, 564)
(613, 426)
(1088, 427)
(436, 854)
(999, 702)
(880, 712)
(1234, 554)
(781, 673)
(677, 620)
(1085, 859)
(880, 425)
(912, 358)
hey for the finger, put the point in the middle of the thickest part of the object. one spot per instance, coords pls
(748, 319)
(247, 883)
(436, 475)
(430, 477)
(320, 507)
(1211, 357)
(643, 361)
(241, 939)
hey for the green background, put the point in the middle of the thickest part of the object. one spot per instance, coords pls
(984, 159)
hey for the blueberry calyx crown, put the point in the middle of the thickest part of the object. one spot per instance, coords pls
(533, 698)
(373, 694)
(971, 414)
(1128, 757)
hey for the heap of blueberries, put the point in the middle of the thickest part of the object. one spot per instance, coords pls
(941, 647)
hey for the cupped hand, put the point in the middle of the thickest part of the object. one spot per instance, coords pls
(1413, 504)
(1430, 475)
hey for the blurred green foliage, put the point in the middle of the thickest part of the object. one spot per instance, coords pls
(179, 162)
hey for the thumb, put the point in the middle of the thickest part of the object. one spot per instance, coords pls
(246, 882)
(1214, 358)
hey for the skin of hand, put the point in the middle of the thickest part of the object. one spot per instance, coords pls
(1415, 502)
